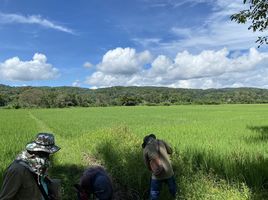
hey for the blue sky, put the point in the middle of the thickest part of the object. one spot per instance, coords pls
(103, 43)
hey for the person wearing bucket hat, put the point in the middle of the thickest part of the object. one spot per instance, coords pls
(156, 158)
(26, 178)
(44, 142)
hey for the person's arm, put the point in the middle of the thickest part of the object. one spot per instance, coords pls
(168, 148)
(146, 160)
(11, 184)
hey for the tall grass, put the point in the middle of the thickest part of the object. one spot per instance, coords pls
(220, 151)
(16, 129)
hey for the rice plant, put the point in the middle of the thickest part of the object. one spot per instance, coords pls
(220, 150)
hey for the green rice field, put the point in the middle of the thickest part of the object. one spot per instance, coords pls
(220, 151)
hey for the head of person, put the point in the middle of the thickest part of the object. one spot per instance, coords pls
(94, 180)
(147, 139)
(39, 151)
(43, 145)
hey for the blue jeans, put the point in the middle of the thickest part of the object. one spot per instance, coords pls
(157, 184)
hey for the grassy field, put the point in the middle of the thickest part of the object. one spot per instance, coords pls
(220, 151)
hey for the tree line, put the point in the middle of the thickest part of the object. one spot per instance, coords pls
(60, 97)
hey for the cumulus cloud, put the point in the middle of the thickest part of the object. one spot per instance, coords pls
(7, 18)
(254, 78)
(100, 79)
(123, 61)
(205, 64)
(14, 69)
(208, 69)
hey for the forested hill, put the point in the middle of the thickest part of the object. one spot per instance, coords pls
(51, 97)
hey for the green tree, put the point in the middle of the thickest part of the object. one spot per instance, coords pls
(130, 100)
(30, 97)
(256, 14)
(3, 100)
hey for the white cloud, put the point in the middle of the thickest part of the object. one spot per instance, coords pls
(123, 61)
(254, 78)
(184, 32)
(100, 79)
(88, 65)
(76, 83)
(217, 34)
(160, 65)
(210, 63)
(175, 3)
(147, 42)
(32, 19)
(215, 31)
(208, 69)
(196, 83)
(14, 69)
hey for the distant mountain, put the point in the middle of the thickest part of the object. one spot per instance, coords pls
(52, 97)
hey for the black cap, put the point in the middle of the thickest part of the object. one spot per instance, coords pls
(147, 138)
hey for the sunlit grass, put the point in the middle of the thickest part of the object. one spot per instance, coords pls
(220, 151)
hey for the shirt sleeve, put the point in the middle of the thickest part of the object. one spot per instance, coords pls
(11, 184)
(146, 159)
(168, 148)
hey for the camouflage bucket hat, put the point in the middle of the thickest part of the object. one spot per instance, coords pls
(44, 142)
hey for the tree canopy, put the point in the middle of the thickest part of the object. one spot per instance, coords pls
(60, 97)
(256, 14)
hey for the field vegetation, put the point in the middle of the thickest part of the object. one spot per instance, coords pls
(220, 151)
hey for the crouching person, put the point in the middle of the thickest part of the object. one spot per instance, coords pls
(26, 178)
(156, 157)
(95, 182)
